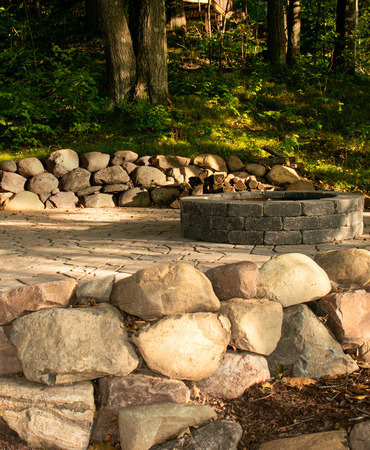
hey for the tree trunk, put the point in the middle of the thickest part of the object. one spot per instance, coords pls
(294, 29)
(148, 31)
(92, 17)
(346, 24)
(175, 14)
(276, 42)
(119, 52)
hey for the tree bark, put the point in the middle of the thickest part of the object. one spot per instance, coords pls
(346, 24)
(294, 30)
(175, 14)
(276, 42)
(92, 17)
(119, 52)
(148, 31)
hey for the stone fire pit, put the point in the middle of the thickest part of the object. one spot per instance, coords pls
(279, 217)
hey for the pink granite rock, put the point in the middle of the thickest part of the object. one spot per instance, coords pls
(9, 363)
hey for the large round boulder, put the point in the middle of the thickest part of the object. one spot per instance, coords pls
(62, 161)
(43, 183)
(280, 175)
(29, 167)
(23, 201)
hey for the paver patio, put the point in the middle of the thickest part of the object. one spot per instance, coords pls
(88, 243)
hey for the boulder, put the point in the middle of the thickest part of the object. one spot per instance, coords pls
(135, 389)
(94, 161)
(236, 373)
(364, 352)
(129, 167)
(135, 197)
(280, 175)
(11, 182)
(48, 417)
(99, 290)
(29, 167)
(190, 172)
(8, 166)
(234, 163)
(302, 185)
(217, 435)
(292, 278)
(359, 439)
(258, 170)
(165, 162)
(316, 441)
(147, 177)
(5, 196)
(213, 162)
(184, 346)
(111, 175)
(88, 191)
(144, 161)
(236, 280)
(143, 426)
(62, 200)
(43, 183)
(307, 349)
(348, 315)
(62, 161)
(165, 195)
(58, 346)
(165, 289)
(19, 301)
(123, 156)
(9, 362)
(75, 180)
(347, 267)
(255, 324)
(99, 201)
(23, 201)
(115, 188)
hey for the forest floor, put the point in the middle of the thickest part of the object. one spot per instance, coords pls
(279, 409)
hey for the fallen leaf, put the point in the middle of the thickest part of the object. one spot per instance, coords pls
(299, 382)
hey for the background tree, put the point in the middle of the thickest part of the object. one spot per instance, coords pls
(276, 42)
(346, 25)
(294, 29)
(175, 14)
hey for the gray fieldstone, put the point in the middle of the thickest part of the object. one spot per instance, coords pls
(301, 185)
(75, 180)
(258, 170)
(144, 161)
(19, 301)
(111, 175)
(62, 161)
(143, 426)
(48, 417)
(134, 197)
(115, 188)
(58, 346)
(190, 172)
(176, 175)
(23, 201)
(9, 362)
(88, 191)
(255, 324)
(348, 315)
(62, 200)
(99, 201)
(359, 439)
(333, 440)
(292, 278)
(99, 290)
(11, 182)
(346, 267)
(236, 373)
(29, 167)
(213, 162)
(43, 183)
(307, 349)
(236, 280)
(5, 196)
(94, 161)
(146, 177)
(116, 393)
(234, 163)
(217, 435)
(165, 289)
(123, 156)
(165, 162)
(184, 346)
(129, 167)
(280, 175)
(8, 166)
(44, 197)
(165, 195)
(364, 352)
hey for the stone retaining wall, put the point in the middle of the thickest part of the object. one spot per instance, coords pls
(67, 180)
(273, 217)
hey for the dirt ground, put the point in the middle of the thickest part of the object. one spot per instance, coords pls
(281, 408)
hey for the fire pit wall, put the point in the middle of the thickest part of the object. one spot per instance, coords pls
(252, 218)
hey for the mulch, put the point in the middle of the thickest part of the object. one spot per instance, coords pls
(276, 409)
